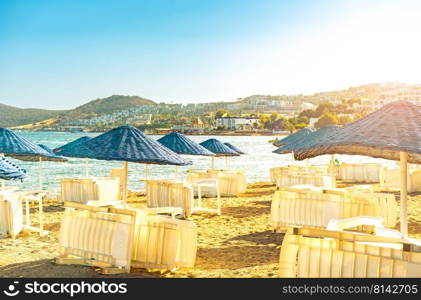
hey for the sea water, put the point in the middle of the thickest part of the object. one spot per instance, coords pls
(256, 163)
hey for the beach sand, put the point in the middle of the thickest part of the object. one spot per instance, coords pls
(239, 243)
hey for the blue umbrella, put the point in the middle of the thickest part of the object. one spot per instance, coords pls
(180, 144)
(52, 154)
(219, 149)
(67, 149)
(129, 144)
(71, 150)
(16, 146)
(234, 148)
(322, 135)
(296, 136)
(10, 171)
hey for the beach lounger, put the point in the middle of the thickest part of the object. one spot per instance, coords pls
(309, 252)
(11, 216)
(82, 190)
(115, 239)
(165, 193)
(309, 207)
(316, 180)
(230, 182)
(164, 243)
(359, 173)
(97, 236)
(390, 179)
(294, 169)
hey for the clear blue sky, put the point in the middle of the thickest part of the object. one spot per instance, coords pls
(60, 54)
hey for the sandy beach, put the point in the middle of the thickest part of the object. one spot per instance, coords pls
(239, 243)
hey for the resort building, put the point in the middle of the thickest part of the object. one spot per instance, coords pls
(236, 123)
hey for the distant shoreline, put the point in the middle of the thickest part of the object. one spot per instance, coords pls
(227, 133)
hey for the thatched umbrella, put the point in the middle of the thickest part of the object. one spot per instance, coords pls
(229, 145)
(128, 144)
(71, 150)
(296, 136)
(181, 144)
(392, 132)
(219, 149)
(16, 146)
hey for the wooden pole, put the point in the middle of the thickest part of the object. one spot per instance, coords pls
(226, 162)
(213, 163)
(126, 179)
(40, 173)
(146, 172)
(404, 193)
(176, 172)
(86, 167)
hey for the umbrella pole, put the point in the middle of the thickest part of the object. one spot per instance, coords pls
(146, 172)
(212, 163)
(126, 178)
(176, 172)
(87, 167)
(226, 162)
(40, 173)
(404, 193)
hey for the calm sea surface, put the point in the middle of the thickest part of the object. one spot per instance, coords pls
(256, 163)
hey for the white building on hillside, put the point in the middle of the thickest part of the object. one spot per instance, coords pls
(236, 123)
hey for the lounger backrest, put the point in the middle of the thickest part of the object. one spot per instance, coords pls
(319, 253)
(98, 233)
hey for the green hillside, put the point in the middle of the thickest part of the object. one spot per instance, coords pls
(11, 116)
(106, 105)
(14, 116)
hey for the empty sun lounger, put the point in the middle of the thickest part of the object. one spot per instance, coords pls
(165, 193)
(11, 216)
(363, 173)
(164, 243)
(98, 236)
(309, 207)
(322, 253)
(115, 239)
(82, 190)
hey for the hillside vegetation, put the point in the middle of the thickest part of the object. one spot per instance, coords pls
(11, 116)
(14, 116)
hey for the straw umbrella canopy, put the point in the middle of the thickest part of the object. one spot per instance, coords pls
(71, 150)
(296, 136)
(319, 136)
(219, 149)
(16, 146)
(180, 144)
(129, 144)
(231, 146)
(67, 149)
(392, 132)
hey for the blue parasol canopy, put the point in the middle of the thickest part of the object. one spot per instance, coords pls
(218, 148)
(16, 146)
(180, 144)
(126, 143)
(322, 135)
(10, 171)
(52, 154)
(296, 136)
(231, 146)
(70, 148)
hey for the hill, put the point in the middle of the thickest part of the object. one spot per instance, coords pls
(11, 116)
(15, 116)
(106, 106)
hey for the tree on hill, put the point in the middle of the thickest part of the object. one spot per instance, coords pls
(323, 108)
(326, 119)
(221, 113)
